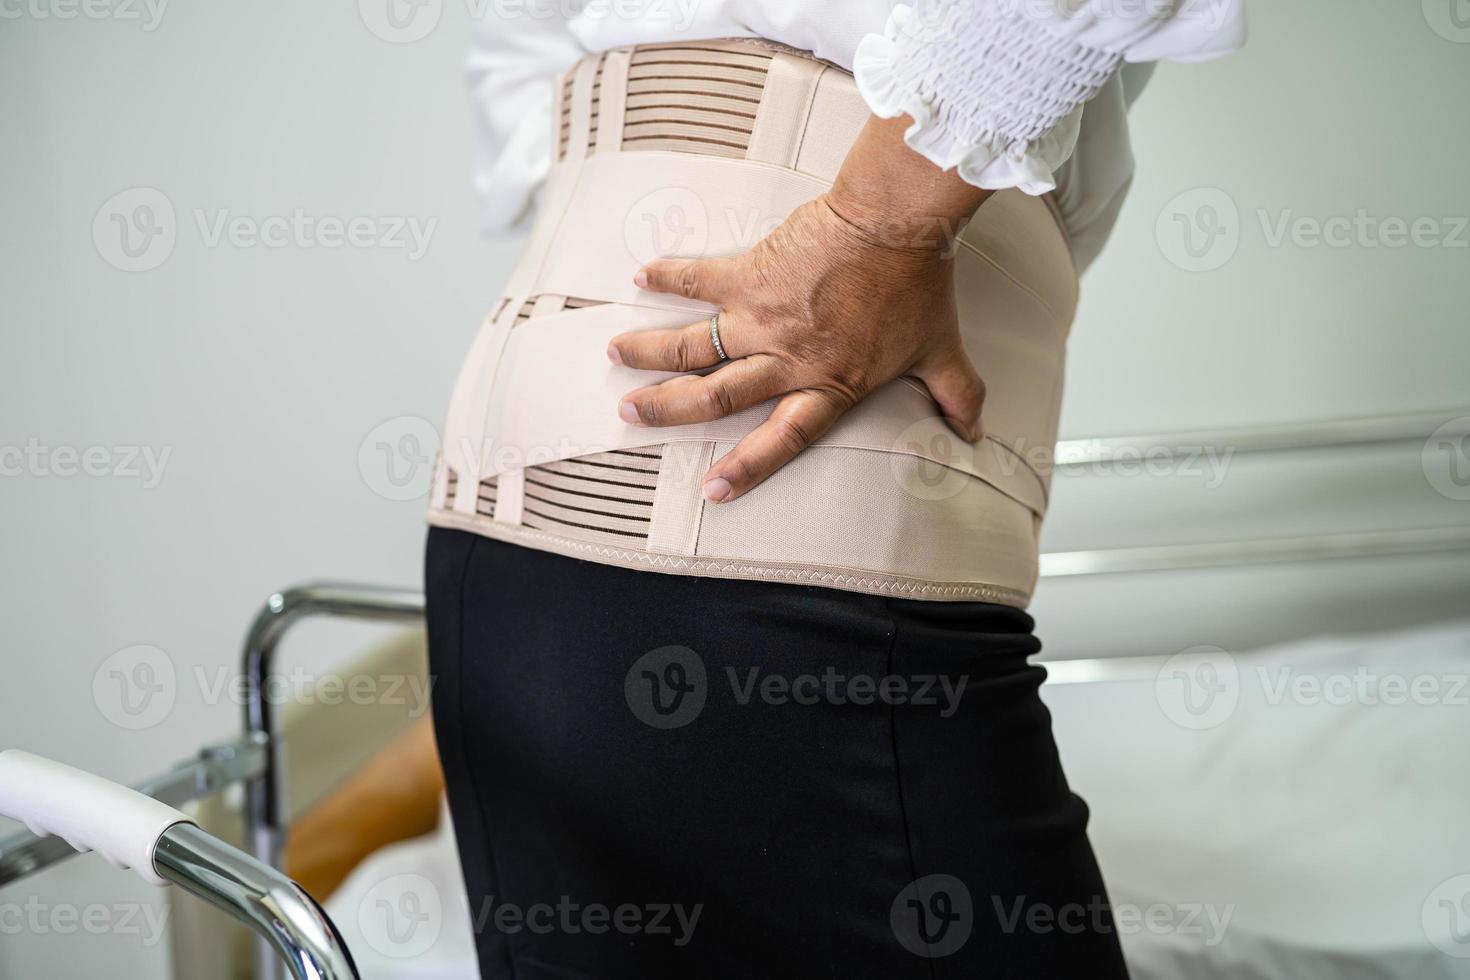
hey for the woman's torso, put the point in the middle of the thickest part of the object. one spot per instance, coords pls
(700, 148)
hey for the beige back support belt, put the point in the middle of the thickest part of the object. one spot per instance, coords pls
(700, 149)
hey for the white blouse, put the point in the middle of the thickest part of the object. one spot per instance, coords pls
(1011, 93)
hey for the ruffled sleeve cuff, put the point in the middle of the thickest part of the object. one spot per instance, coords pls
(994, 95)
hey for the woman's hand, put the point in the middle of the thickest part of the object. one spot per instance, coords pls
(854, 289)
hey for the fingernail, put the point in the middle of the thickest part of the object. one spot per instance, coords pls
(716, 490)
(613, 355)
(640, 279)
(963, 428)
(628, 412)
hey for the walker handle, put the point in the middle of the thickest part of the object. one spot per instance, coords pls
(88, 812)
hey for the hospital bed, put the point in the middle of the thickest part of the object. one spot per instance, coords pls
(1281, 874)
(1225, 857)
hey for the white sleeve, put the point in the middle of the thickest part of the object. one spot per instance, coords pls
(996, 87)
(512, 69)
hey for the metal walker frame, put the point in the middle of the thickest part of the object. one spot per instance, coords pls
(293, 930)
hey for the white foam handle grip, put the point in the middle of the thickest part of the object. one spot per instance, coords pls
(88, 812)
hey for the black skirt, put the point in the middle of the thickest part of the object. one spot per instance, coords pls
(667, 776)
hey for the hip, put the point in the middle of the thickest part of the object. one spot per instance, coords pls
(793, 763)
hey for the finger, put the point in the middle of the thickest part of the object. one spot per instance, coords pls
(686, 348)
(707, 279)
(800, 419)
(958, 388)
(705, 397)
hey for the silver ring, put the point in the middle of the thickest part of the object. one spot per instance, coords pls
(714, 337)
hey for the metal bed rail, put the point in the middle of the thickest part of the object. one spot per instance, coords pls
(265, 806)
(1257, 551)
(1375, 430)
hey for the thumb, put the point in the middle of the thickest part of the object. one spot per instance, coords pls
(956, 385)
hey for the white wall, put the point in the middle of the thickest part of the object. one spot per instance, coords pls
(1332, 109)
(261, 371)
